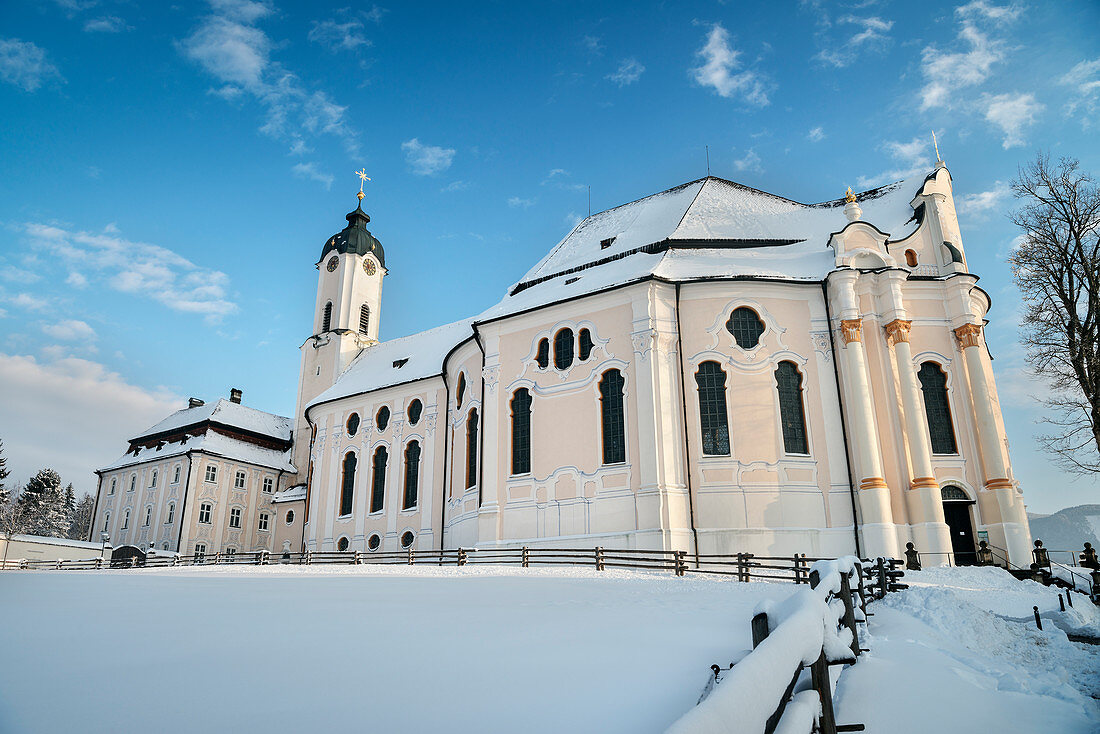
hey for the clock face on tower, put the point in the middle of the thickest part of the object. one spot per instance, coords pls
(332, 263)
(368, 267)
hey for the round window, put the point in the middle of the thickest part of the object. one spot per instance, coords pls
(289, 517)
(383, 418)
(406, 539)
(415, 409)
(353, 424)
(342, 544)
(373, 542)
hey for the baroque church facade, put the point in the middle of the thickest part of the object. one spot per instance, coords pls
(711, 368)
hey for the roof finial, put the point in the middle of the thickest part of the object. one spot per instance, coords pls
(849, 196)
(363, 178)
(936, 145)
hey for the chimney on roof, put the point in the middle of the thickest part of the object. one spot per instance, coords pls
(194, 402)
(235, 396)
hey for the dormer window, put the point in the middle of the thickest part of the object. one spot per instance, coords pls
(399, 363)
(604, 244)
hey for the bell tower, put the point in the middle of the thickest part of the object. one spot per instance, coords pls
(345, 318)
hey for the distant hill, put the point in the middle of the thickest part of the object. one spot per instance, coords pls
(1068, 529)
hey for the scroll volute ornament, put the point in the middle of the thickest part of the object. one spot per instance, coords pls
(851, 330)
(969, 335)
(898, 331)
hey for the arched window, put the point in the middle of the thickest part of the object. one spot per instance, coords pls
(148, 515)
(412, 474)
(133, 481)
(378, 481)
(933, 383)
(382, 419)
(611, 415)
(326, 319)
(949, 493)
(563, 349)
(521, 431)
(542, 358)
(711, 379)
(153, 481)
(171, 513)
(126, 520)
(460, 393)
(364, 319)
(106, 521)
(353, 424)
(788, 380)
(113, 483)
(745, 326)
(584, 344)
(471, 449)
(911, 258)
(416, 408)
(347, 486)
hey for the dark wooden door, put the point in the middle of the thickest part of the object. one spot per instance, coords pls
(957, 515)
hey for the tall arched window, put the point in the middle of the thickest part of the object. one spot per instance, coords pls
(126, 519)
(584, 344)
(792, 416)
(611, 414)
(933, 383)
(460, 393)
(326, 319)
(521, 431)
(563, 349)
(471, 449)
(153, 481)
(347, 487)
(378, 481)
(412, 474)
(713, 423)
(746, 327)
(542, 357)
(364, 319)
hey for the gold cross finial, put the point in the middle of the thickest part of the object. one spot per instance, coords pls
(363, 178)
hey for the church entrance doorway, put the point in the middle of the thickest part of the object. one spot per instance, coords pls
(956, 512)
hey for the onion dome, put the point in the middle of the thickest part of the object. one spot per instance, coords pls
(355, 238)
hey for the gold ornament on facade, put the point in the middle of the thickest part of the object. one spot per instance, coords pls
(363, 178)
(969, 335)
(851, 330)
(898, 331)
(849, 196)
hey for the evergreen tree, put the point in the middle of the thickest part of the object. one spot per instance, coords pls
(5, 493)
(43, 502)
(82, 518)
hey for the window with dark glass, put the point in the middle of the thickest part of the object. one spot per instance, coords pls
(326, 319)
(378, 481)
(204, 512)
(412, 474)
(342, 544)
(788, 381)
(347, 485)
(364, 319)
(406, 539)
(542, 357)
(471, 449)
(353, 424)
(289, 517)
(235, 517)
(373, 542)
(460, 393)
(713, 422)
(521, 431)
(611, 415)
(745, 326)
(937, 409)
(416, 408)
(382, 419)
(563, 349)
(584, 344)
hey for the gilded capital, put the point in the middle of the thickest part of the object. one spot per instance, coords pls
(851, 330)
(898, 331)
(969, 335)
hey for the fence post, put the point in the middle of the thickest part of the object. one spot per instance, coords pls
(815, 578)
(309, 557)
(60, 563)
(217, 558)
(819, 677)
(759, 629)
(862, 594)
(358, 558)
(599, 559)
(461, 556)
(797, 572)
(526, 557)
(411, 555)
(849, 611)
(99, 563)
(1038, 622)
(681, 567)
(133, 561)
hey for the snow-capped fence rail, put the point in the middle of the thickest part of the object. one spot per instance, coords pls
(784, 685)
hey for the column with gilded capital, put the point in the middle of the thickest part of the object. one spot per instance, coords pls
(930, 531)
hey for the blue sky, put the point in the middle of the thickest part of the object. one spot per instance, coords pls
(168, 174)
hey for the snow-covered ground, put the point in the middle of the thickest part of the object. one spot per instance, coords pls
(488, 649)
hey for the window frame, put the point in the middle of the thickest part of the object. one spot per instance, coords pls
(940, 431)
(471, 448)
(240, 479)
(521, 450)
(263, 522)
(378, 480)
(153, 479)
(418, 405)
(211, 474)
(268, 485)
(564, 349)
(719, 432)
(347, 484)
(235, 516)
(382, 418)
(791, 425)
(170, 516)
(736, 324)
(207, 509)
(411, 482)
(612, 389)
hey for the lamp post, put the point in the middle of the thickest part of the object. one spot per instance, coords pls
(105, 538)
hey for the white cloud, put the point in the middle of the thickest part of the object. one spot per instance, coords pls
(91, 402)
(984, 201)
(25, 65)
(816, 135)
(749, 162)
(348, 36)
(1011, 113)
(107, 24)
(871, 34)
(593, 44)
(310, 171)
(77, 280)
(28, 302)
(720, 61)
(559, 178)
(70, 330)
(14, 274)
(427, 160)
(1084, 78)
(229, 47)
(146, 270)
(629, 71)
(913, 158)
(455, 186)
(517, 203)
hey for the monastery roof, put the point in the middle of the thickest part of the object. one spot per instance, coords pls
(227, 413)
(213, 443)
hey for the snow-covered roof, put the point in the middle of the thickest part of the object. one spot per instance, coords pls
(290, 494)
(397, 361)
(227, 413)
(44, 540)
(213, 443)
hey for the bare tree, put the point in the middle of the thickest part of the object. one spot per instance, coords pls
(1057, 268)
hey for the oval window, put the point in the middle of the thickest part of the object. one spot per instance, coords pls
(415, 409)
(585, 346)
(461, 392)
(542, 356)
(746, 327)
(383, 418)
(289, 517)
(406, 539)
(373, 542)
(342, 544)
(563, 349)
(353, 424)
